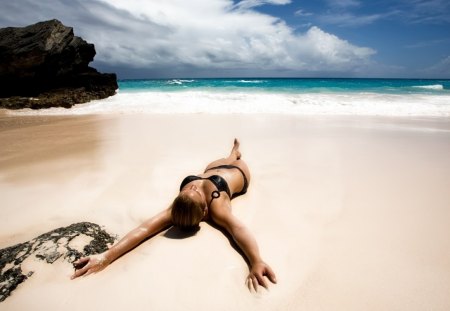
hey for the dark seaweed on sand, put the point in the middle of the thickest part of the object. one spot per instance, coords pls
(49, 247)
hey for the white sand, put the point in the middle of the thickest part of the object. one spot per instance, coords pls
(352, 213)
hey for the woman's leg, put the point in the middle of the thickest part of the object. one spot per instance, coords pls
(234, 156)
(233, 159)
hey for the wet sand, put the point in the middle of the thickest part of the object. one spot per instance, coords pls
(352, 213)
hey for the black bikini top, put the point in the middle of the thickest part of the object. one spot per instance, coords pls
(220, 183)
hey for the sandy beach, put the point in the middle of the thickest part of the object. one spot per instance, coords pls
(352, 213)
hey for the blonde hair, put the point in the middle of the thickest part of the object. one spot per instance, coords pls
(186, 213)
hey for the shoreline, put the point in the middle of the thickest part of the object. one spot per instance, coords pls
(354, 209)
(260, 101)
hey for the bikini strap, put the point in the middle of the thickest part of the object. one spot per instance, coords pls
(214, 195)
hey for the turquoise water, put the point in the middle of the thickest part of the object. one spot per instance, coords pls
(272, 85)
(368, 97)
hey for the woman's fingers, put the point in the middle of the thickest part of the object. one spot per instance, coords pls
(89, 271)
(88, 265)
(249, 283)
(253, 282)
(271, 275)
(258, 274)
(261, 281)
(81, 267)
(80, 263)
(80, 272)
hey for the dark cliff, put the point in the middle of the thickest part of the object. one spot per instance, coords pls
(45, 65)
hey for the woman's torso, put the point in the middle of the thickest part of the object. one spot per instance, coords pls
(233, 177)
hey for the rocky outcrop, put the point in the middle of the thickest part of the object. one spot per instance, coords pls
(45, 65)
(49, 247)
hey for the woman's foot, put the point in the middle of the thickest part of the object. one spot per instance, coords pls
(235, 151)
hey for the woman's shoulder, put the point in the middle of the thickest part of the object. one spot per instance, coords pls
(220, 205)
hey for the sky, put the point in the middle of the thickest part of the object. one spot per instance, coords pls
(254, 38)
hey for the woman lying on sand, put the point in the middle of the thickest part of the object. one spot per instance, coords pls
(206, 197)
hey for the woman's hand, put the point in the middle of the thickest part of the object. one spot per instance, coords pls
(87, 265)
(257, 273)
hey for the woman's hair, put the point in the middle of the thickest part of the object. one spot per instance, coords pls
(186, 213)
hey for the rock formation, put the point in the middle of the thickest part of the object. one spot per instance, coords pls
(45, 65)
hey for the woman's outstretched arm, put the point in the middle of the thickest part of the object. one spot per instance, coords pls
(244, 238)
(147, 229)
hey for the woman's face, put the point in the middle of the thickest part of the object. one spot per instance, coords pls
(195, 194)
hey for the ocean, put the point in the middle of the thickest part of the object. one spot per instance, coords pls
(387, 97)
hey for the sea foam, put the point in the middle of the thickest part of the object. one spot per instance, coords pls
(214, 102)
(430, 87)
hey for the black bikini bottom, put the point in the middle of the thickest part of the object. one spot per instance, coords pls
(225, 166)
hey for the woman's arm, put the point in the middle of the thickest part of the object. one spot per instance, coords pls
(222, 215)
(150, 227)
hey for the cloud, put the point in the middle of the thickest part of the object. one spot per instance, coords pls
(247, 4)
(348, 13)
(440, 69)
(423, 11)
(301, 12)
(345, 13)
(195, 35)
(343, 3)
(427, 43)
(350, 20)
(323, 50)
(342, 12)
